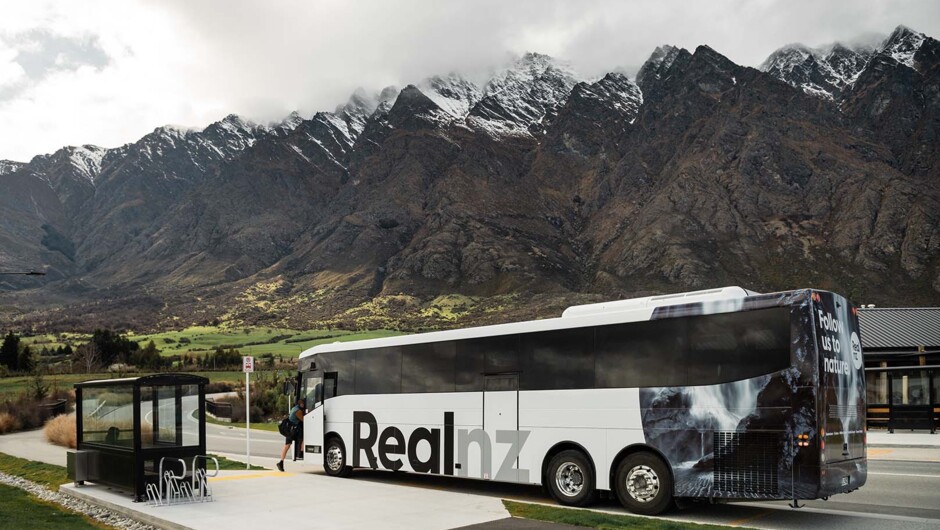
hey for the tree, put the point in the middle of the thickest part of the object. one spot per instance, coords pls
(37, 387)
(112, 346)
(10, 351)
(89, 356)
(25, 361)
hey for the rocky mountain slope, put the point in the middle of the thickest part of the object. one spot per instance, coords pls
(514, 198)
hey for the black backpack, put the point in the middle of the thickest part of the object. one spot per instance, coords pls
(286, 428)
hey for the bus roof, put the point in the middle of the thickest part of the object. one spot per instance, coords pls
(631, 310)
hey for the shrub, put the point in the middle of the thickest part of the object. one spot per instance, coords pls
(8, 423)
(238, 409)
(61, 430)
(220, 386)
(26, 411)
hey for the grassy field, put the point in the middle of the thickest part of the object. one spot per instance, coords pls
(251, 341)
(591, 519)
(197, 339)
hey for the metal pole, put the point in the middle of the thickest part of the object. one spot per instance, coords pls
(247, 422)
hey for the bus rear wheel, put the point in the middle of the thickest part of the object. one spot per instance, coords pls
(644, 484)
(334, 458)
(570, 479)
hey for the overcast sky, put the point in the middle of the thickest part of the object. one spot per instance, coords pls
(107, 72)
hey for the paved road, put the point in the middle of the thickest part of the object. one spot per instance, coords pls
(222, 439)
(899, 495)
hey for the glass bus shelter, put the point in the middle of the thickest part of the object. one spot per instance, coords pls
(126, 426)
(903, 397)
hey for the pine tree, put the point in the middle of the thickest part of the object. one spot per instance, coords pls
(10, 351)
(25, 361)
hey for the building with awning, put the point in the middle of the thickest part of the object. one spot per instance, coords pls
(902, 366)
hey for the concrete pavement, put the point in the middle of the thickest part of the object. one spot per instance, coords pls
(306, 499)
(33, 446)
(903, 438)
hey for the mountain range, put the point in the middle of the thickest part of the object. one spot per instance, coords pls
(446, 202)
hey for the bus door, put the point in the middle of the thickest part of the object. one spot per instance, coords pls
(501, 423)
(312, 386)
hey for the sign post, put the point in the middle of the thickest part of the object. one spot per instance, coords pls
(248, 366)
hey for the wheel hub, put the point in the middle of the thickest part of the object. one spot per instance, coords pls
(334, 458)
(642, 483)
(569, 479)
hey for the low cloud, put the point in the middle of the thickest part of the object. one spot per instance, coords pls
(109, 71)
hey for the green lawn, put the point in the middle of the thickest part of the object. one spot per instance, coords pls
(46, 474)
(592, 519)
(22, 511)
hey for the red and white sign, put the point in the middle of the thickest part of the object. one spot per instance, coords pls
(248, 364)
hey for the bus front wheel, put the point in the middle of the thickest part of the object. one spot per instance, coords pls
(570, 479)
(334, 458)
(644, 484)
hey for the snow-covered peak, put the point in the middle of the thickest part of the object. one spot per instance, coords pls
(518, 99)
(530, 68)
(616, 89)
(902, 44)
(452, 93)
(824, 71)
(658, 63)
(9, 166)
(783, 61)
(86, 160)
(387, 99)
(847, 63)
(357, 110)
(290, 122)
(235, 124)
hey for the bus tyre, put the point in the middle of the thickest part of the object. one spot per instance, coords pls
(644, 484)
(334, 458)
(570, 479)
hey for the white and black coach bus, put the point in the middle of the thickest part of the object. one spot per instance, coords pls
(720, 394)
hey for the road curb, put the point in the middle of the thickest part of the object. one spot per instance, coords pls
(896, 446)
(163, 524)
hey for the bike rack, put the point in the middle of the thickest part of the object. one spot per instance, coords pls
(175, 489)
(202, 492)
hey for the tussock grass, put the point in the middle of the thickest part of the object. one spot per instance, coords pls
(61, 430)
(8, 423)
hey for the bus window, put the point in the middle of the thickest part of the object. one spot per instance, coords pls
(468, 367)
(312, 389)
(641, 354)
(428, 367)
(734, 346)
(343, 364)
(378, 371)
(556, 360)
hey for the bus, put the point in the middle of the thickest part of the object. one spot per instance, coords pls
(723, 394)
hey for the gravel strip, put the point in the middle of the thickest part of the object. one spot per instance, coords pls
(95, 512)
